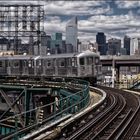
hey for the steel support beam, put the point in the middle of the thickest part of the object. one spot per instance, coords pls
(11, 105)
(27, 107)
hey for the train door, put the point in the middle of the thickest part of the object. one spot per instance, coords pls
(31, 67)
(49, 67)
(21, 66)
(89, 66)
(81, 68)
(25, 67)
(74, 70)
(55, 66)
(3, 66)
(15, 67)
(69, 66)
(98, 67)
(43, 66)
(62, 67)
(8, 67)
(38, 67)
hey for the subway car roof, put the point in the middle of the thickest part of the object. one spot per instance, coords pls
(18, 57)
(87, 53)
(28, 57)
(82, 54)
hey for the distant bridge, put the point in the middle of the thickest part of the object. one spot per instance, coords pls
(117, 61)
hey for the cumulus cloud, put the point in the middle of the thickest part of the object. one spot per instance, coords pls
(128, 4)
(138, 11)
(77, 8)
(110, 24)
(54, 24)
(113, 26)
(18, 2)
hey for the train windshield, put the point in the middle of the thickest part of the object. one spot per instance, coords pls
(82, 61)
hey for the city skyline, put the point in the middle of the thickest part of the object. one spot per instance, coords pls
(115, 18)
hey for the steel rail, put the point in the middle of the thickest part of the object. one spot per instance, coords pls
(128, 123)
(112, 117)
(127, 128)
(92, 122)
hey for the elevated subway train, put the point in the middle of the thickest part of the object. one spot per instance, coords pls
(85, 65)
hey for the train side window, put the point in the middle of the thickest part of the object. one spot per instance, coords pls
(61, 63)
(49, 63)
(29, 63)
(16, 64)
(73, 62)
(39, 62)
(82, 61)
(0, 63)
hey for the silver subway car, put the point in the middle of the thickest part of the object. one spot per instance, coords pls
(85, 65)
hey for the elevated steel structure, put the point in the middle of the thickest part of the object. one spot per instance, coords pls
(22, 22)
(34, 103)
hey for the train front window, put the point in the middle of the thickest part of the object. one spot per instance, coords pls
(82, 61)
(89, 60)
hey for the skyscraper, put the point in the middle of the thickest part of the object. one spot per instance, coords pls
(127, 44)
(114, 46)
(101, 41)
(57, 36)
(42, 50)
(56, 43)
(134, 46)
(71, 33)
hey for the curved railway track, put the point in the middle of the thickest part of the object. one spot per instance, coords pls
(116, 121)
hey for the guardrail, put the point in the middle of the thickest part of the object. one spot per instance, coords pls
(52, 134)
(74, 96)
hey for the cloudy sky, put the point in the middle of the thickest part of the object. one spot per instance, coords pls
(115, 18)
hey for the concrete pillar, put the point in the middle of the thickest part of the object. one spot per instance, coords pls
(118, 74)
(113, 73)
